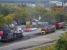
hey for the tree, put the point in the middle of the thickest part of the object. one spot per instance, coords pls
(59, 17)
(3, 10)
(1, 21)
(44, 13)
(41, 11)
(22, 12)
(8, 19)
(6, 9)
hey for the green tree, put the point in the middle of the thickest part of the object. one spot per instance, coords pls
(8, 19)
(59, 17)
(3, 10)
(1, 21)
(44, 13)
(6, 9)
(22, 12)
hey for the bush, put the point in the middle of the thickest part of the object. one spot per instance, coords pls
(62, 42)
(60, 45)
(52, 47)
(37, 49)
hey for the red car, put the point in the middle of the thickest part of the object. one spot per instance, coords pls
(59, 25)
(1, 34)
(30, 29)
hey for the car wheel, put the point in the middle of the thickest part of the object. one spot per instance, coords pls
(20, 35)
(14, 36)
(5, 40)
(43, 32)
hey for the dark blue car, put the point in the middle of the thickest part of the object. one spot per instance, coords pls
(9, 34)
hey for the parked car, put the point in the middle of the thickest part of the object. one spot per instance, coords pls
(29, 29)
(48, 28)
(1, 34)
(8, 35)
(32, 31)
(18, 33)
(34, 23)
(59, 25)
